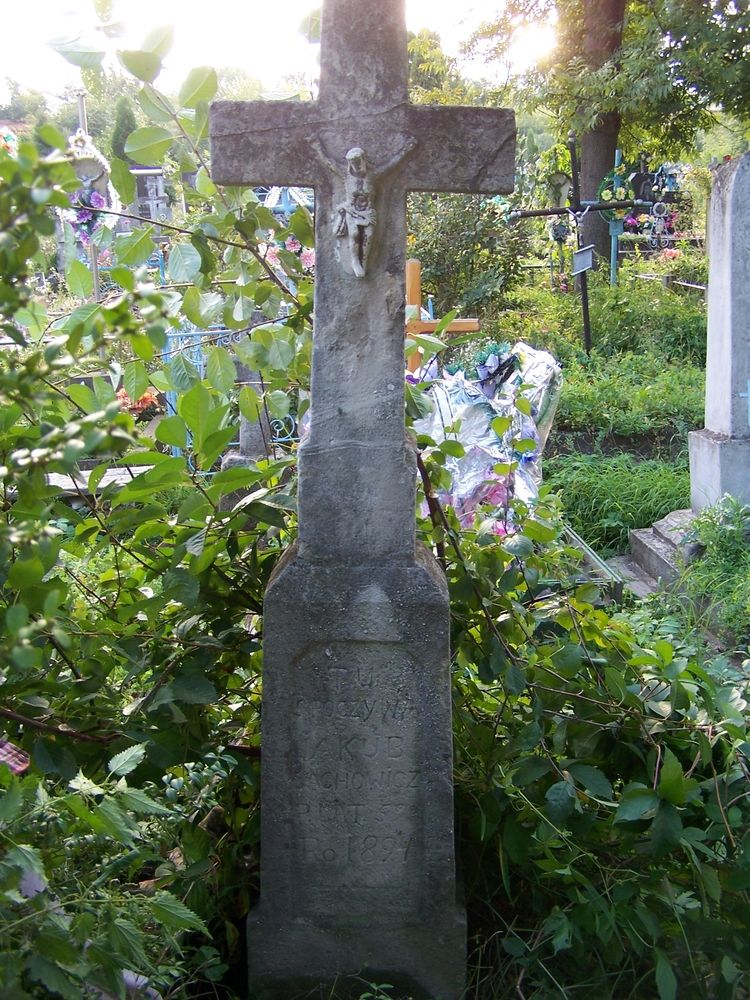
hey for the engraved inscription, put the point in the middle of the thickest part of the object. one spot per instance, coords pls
(357, 749)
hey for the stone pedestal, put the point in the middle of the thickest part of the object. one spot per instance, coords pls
(357, 825)
(720, 454)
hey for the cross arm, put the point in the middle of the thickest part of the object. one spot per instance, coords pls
(461, 149)
(264, 142)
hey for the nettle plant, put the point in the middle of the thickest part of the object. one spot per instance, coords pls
(601, 790)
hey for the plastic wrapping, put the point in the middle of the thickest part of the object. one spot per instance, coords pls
(471, 406)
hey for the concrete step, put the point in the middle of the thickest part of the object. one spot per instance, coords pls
(635, 579)
(657, 558)
(673, 528)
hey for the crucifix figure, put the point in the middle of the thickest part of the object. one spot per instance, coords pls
(358, 878)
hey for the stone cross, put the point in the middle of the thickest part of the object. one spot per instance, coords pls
(720, 454)
(358, 875)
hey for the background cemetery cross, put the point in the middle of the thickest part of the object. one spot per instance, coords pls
(358, 866)
(720, 454)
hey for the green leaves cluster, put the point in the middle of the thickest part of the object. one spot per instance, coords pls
(601, 780)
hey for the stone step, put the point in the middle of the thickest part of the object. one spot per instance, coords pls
(636, 579)
(653, 555)
(673, 528)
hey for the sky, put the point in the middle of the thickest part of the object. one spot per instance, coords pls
(260, 36)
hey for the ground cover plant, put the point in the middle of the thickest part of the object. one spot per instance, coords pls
(603, 816)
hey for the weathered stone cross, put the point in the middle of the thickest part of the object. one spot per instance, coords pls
(358, 863)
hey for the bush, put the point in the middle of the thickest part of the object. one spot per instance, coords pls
(470, 258)
(639, 316)
(604, 498)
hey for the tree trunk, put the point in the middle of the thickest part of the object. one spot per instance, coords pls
(597, 159)
(602, 37)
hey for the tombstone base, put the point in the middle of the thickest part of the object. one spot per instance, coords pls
(358, 872)
(718, 465)
(298, 961)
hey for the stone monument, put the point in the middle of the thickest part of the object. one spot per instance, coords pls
(358, 873)
(720, 454)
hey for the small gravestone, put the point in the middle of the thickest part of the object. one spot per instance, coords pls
(358, 870)
(720, 454)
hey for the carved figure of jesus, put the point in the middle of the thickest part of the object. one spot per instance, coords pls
(355, 217)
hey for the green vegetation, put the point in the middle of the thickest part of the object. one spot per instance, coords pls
(717, 583)
(631, 394)
(604, 497)
(600, 759)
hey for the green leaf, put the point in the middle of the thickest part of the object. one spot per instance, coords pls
(220, 370)
(671, 780)
(278, 403)
(145, 66)
(127, 760)
(123, 180)
(560, 799)
(136, 247)
(250, 404)
(514, 680)
(183, 373)
(193, 689)
(666, 829)
(135, 380)
(79, 279)
(26, 572)
(148, 145)
(592, 779)
(78, 52)
(445, 322)
(500, 425)
(136, 800)
(666, 981)
(155, 105)
(195, 408)
(174, 914)
(52, 136)
(568, 659)
(117, 824)
(530, 770)
(301, 224)
(636, 802)
(84, 397)
(523, 405)
(184, 263)
(200, 85)
(519, 546)
(52, 977)
(159, 40)
(454, 448)
(203, 184)
(172, 431)
(280, 352)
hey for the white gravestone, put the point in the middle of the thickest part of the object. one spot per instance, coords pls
(720, 454)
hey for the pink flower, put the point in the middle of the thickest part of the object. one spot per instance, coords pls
(292, 244)
(307, 257)
(272, 255)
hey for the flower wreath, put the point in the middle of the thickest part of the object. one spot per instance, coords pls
(614, 187)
